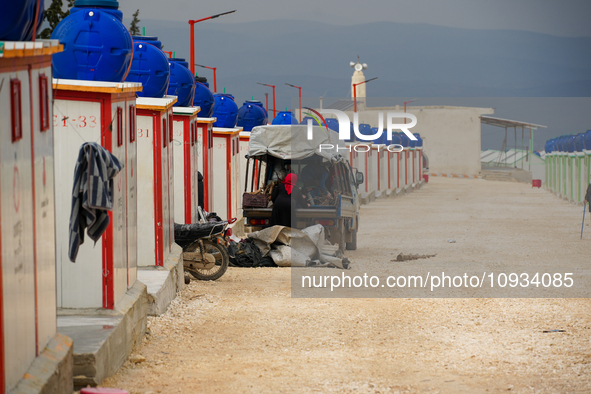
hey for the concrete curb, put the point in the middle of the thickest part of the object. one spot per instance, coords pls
(163, 283)
(51, 372)
(103, 339)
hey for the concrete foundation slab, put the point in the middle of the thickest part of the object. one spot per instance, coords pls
(163, 283)
(51, 372)
(103, 339)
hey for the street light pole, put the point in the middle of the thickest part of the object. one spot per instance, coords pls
(406, 102)
(299, 88)
(274, 107)
(355, 90)
(215, 79)
(192, 23)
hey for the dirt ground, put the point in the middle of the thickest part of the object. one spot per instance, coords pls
(244, 333)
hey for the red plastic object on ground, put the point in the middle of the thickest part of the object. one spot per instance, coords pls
(95, 390)
(536, 183)
(426, 178)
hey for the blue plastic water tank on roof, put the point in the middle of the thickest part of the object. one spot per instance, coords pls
(588, 140)
(181, 61)
(570, 144)
(382, 139)
(412, 143)
(182, 83)
(579, 141)
(97, 45)
(284, 117)
(260, 104)
(560, 143)
(150, 67)
(365, 129)
(203, 98)
(12, 20)
(149, 39)
(305, 121)
(419, 142)
(332, 124)
(404, 140)
(17, 19)
(251, 115)
(548, 146)
(395, 139)
(225, 110)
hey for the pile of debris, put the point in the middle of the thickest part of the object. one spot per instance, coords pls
(286, 247)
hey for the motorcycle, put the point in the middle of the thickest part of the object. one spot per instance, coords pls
(205, 254)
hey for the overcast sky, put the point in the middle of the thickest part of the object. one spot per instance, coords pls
(563, 18)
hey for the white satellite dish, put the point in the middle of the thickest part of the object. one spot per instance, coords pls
(358, 67)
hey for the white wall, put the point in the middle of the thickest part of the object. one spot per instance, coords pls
(451, 135)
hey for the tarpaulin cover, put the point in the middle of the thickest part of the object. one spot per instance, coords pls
(290, 142)
(289, 247)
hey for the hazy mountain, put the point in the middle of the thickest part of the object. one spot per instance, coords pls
(410, 60)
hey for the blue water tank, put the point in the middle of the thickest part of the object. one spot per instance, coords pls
(260, 104)
(203, 97)
(305, 121)
(382, 139)
(149, 39)
(404, 140)
(284, 117)
(332, 124)
(396, 139)
(365, 129)
(419, 141)
(182, 84)
(588, 140)
(97, 45)
(251, 115)
(150, 67)
(17, 19)
(570, 143)
(548, 146)
(181, 61)
(225, 110)
(560, 143)
(579, 142)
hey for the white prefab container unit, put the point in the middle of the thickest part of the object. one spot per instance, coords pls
(186, 156)
(205, 159)
(414, 155)
(103, 112)
(226, 164)
(27, 220)
(400, 171)
(392, 165)
(242, 152)
(380, 155)
(155, 171)
(369, 163)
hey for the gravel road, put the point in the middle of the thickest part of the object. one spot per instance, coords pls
(244, 333)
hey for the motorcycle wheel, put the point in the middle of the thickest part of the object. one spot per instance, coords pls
(222, 259)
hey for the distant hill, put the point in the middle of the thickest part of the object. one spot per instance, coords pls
(410, 60)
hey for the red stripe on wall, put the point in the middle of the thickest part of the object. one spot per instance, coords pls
(187, 166)
(108, 281)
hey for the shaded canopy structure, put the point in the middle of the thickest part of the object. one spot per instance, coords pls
(515, 124)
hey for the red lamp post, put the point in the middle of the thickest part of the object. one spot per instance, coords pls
(215, 79)
(192, 23)
(299, 88)
(355, 91)
(406, 102)
(274, 107)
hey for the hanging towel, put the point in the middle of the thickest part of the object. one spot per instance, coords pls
(92, 194)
